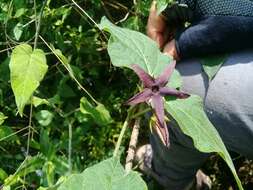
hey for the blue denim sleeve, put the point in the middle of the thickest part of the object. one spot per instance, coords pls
(215, 34)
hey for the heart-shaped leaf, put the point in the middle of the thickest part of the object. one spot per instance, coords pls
(27, 69)
(127, 47)
(107, 175)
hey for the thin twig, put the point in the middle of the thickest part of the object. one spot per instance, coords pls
(12, 134)
(71, 75)
(38, 24)
(7, 49)
(123, 19)
(107, 12)
(29, 133)
(132, 146)
(70, 147)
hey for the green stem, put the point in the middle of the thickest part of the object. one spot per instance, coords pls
(70, 148)
(141, 113)
(122, 132)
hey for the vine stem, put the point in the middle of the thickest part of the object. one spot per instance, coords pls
(29, 135)
(132, 146)
(71, 75)
(89, 17)
(122, 132)
(130, 116)
(38, 24)
(70, 147)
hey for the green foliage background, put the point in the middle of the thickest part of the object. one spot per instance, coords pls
(57, 100)
(38, 156)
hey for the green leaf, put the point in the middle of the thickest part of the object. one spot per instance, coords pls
(19, 3)
(191, 118)
(100, 114)
(64, 60)
(64, 89)
(212, 64)
(6, 188)
(20, 12)
(18, 30)
(39, 101)
(162, 4)
(29, 165)
(4, 70)
(7, 134)
(49, 171)
(107, 175)
(56, 185)
(44, 117)
(127, 47)
(2, 118)
(3, 174)
(47, 148)
(27, 68)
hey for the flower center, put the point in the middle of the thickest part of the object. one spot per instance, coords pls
(155, 88)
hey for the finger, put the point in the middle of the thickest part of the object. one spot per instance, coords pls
(159, 39)
(153, 7)
(170, 49)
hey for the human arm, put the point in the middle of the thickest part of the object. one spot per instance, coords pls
(208, 34)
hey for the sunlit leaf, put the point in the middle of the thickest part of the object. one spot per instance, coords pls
(2, 118)
(212, 64)
(17, 31)
(44, 117)
(107, 175)
(20, 12)
(3, 174)
(39, 101)
(127, 47)
(27, 68)
(99, 113)
(191, 118)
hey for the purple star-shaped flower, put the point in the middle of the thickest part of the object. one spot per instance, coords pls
(154, 91)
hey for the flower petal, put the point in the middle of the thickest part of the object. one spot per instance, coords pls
(158, 105)
(163, 79)
(161, 128)
(163, 133)
(146, 79)
(140, 97)
(173, 92)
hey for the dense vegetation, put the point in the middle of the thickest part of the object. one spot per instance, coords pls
(65, 130)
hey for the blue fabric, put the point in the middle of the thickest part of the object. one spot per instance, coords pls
(215, 34)
(220, 7)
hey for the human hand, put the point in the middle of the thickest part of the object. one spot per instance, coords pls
(156, 27)
(158, 30)
(171, 50)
